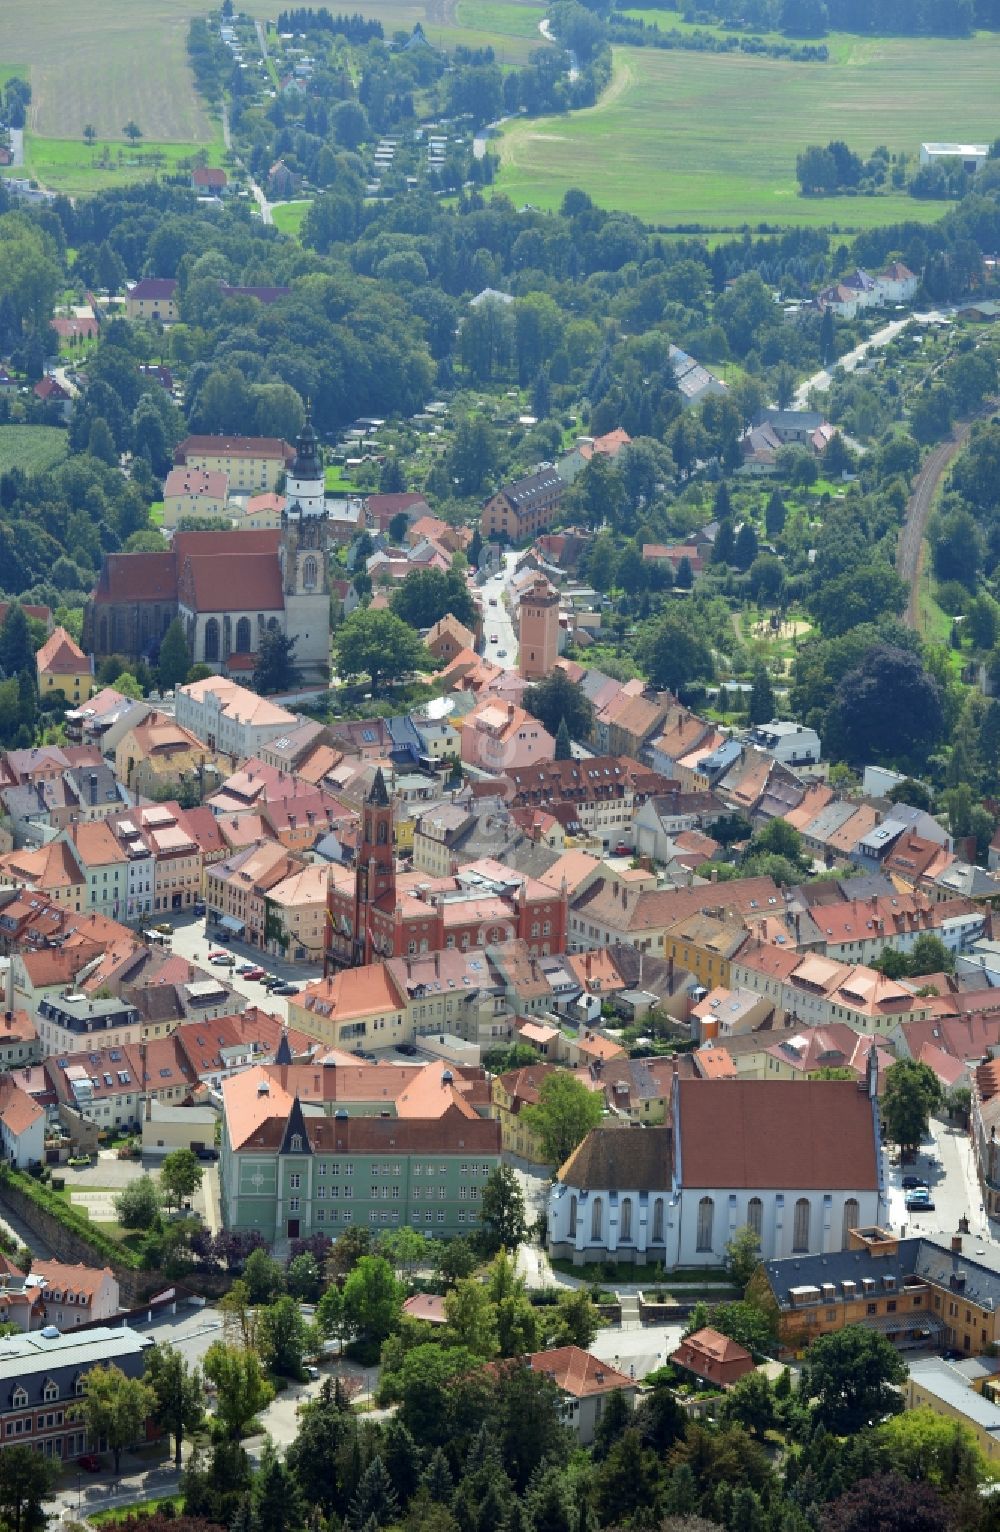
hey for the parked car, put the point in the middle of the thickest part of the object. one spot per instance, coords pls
(255, 973)
(501, 654)
(910, 1183)
(245, 968)
(406, 1049)
(622, 850)
(286, 988)
(919, 1204)
(90, 1462)
(163, 929)
(224, 959)
(494, 638)
(271, 981)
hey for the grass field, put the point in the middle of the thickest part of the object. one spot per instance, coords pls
(68, 165)
(712, 138)
(289, 216)
(31, 448)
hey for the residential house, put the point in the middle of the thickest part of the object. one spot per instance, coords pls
(22, 1126)
(229, 719)
(63, 667)
(43, 1372)
(573, 462)
(154, 298)
(713, 1358)
(585, 1383)
(76, 1295)
(252, 464)
(704, 945)
(501, 738)
(194, 492)
(157, 755)
(523, 508)
(448, 637)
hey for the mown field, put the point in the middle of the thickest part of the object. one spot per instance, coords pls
(31, 448)
(71, 166)
(289, 216)
(712, 138)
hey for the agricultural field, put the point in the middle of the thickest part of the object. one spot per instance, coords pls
(33, 449)
(71, 166)
(712, 138)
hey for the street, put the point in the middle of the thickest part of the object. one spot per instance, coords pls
(945, 1163)
(500, 642)
(190, 941)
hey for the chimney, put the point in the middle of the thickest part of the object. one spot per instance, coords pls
(956, 1244)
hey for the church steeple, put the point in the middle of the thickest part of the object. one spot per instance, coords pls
(308, 464)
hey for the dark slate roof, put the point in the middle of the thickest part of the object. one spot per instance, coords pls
(924, 1258)
(620, 1159)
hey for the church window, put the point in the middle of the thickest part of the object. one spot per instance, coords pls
(309, 574)
(212, 639)
(626, 1219)
(382, 833)
(706, 1217)
(755, 1216)
(572, 1217)
(658, 1220)
(596, 1219)
(852, 1217)
(800, 1228)
(272, 624)
(243, 636)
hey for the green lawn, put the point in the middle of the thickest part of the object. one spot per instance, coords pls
(712, 138)
(69, 165)
(289, 216)
(336, 480)
(31, 448)
(506, 19)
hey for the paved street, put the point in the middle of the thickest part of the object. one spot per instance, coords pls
(190, 941)
(945, 1163)
(500, 639)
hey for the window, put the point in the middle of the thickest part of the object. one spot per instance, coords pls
(243, 636)
(800, 1226)
(658, 1221)
(293, 1204)
(212, 639)
(852, 1217)
(572, 1217)
(309, 573)
(596, 1219)
(20, 1399)
(51, 1391)
(296, 1143)
(872, 1308)
(755, 1216)
(706, 1217)
(295, 1181)
(625, 1230)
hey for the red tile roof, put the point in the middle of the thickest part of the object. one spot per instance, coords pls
(577, 1372)
(234, 446)
(60, 655)
(209, 582)
(137, 577)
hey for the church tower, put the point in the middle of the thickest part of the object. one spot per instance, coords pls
(304, 559)
(375, 872)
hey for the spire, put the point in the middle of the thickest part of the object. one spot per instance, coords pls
(307, 463)
(378, 793)
(283, 1055)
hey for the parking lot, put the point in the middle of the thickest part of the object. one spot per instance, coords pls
(190, 940)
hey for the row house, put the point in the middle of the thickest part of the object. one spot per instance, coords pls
(815, 990)
(43, 1373)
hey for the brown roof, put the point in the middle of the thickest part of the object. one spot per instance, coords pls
(813, 1134)
(137, 577)
(620, 1159)
(426, 1306)
(578, 1372)
(62, 656)
(713, 1356)
(234, 446)
(208, 581)
(17, 1110)
(77, 1279)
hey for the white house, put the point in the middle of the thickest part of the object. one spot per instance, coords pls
(230, 719)
(798, 1162)
(973, 156)
(791, 743)
(22, 1126)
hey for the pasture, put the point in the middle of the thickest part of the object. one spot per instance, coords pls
(67, 165)
(33, 449)
(712, 138)
(289, 216)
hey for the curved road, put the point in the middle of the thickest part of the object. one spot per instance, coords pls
(918, 509)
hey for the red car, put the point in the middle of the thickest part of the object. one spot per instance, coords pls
(91, 1463)
(255, 973)
(622, 850)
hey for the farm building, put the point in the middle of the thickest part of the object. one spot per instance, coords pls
(973, 156)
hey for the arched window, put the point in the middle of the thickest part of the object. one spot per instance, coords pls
(800, 1227)
(243, 636)
(755, 1216)
(658, 1221)
(852, 1217)
(706, 1217)
(626, 1219)
(309, 573)
(212, 639)
(382, 832)
(272, 624)
(597, 1219)
(572, 1217)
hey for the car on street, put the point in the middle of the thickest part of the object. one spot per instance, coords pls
(246, 969)
(622, 850)
(494, 638)
(163, 929)
(911, 1183)
(223, 959)
(286, 988)
(915, 1204)
(199, 910)
(406, 1049)
(271, 981)
(501, 654)
(253, 972)
(89, 1462)
(493, 601)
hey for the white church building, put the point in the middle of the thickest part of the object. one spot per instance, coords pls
(799, 1162)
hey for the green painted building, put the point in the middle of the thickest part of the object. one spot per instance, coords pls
(291, 1170)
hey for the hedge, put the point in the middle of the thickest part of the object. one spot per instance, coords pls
(73, 1222)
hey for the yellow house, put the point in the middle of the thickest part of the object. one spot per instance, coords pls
(514, 1091)
(705, 946)
(357, 1008)
(252, 464)
(295, 915)
(63, 667)
(158, 753)
(194, 492)
(154, 298)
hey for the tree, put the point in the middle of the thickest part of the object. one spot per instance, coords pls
(472, 1320)
(627, 1482)
(761, 697)
(502, 1210)
(16, 649)
(138, 1204)
(672, 654)
(284, 1337)
(564, 744)
(912, 1092)
(180, 1177)
(888, 708)
(373, 1298)
(816, 171)
(744, 1322)
(774, 514)
(887, 1503)
(114, 1406)
(26, 1480)
(574, 1320)
(566, 1112)
(179, 1391)
(942, 1452)
(128, 686)
(427, 595)
(275, 668)
(89, 135)
(175, 657)
(378, 644)
(742, 1255)
(558, 700)
(853, 1376)
(263, 1277)
(242, 1389)
(375, 1503)
(750, 1403)
(455, 1259)
(305, 1280)
(132, 132)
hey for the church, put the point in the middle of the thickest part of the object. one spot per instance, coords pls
(228, 588)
